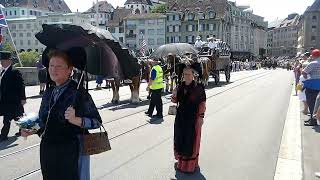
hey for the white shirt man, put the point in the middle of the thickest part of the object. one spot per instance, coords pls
(198, 43)
(212, 44)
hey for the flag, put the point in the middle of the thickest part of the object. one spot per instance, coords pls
(3, 22)
(143, 47)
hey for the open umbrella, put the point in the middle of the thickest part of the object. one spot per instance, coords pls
(174, 48)
(89, 47)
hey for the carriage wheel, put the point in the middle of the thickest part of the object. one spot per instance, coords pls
(217, 77)
(228, 74)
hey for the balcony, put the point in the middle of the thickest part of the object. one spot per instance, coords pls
(131, 35)
(131, 26)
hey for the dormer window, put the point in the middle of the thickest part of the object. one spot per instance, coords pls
(197, 9)
(201, 15)
(209, 8)
(174, 9)
(190, 16)
(212, 15)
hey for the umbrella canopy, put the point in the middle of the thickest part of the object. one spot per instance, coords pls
(89, 47)
(174, 48)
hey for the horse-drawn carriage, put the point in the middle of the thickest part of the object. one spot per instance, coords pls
(218, 60)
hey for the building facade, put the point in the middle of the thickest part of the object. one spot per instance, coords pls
(285, 37)
(148, 27)
(139, 6)
(116, 23)
(23, 30)
(309, 28)
(100, 14)
(248, 33)
(188, 19)
(25, 9)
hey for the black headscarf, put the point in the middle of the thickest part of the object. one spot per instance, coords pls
(189, 98)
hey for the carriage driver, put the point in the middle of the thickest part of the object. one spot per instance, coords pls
(212, 45)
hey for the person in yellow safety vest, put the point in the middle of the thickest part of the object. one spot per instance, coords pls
(156, 86)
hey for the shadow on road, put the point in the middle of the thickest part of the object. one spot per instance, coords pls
(212, 85)
(195, 176)
(8, 143)
(123, 105)
(155, 120)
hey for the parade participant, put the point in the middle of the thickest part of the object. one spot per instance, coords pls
(212, 45)
(64, 118)
(156, 86)
(313, 70)
(191, 99)
(198, 43)
(12, 94)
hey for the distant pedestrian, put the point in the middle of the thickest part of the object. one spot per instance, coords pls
(191, 100)
(42, 76)
(12, 94)
(156, 86)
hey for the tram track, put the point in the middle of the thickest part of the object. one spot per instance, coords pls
(35, 171)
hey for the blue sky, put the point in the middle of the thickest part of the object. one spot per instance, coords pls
(270, 9)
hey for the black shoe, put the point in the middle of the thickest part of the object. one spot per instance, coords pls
(158, 116)
(18, 134)
(2, 138)
(147, 113)
(310, 123)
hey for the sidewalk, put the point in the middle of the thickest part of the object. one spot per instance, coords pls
(311, 149)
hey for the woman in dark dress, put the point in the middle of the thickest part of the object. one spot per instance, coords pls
(191, 100)
(64, 119)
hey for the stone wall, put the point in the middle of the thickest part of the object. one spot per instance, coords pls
(30, 75)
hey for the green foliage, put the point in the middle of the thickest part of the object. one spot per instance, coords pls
(162, 8)
(29, 59)
(7, 47)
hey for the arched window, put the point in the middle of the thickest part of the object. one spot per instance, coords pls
(137, 11)
(212, 15)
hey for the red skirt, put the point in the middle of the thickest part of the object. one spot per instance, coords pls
(189, 164)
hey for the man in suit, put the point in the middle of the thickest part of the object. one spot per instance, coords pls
(12, 94)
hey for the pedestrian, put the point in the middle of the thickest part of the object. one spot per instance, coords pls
(99, 81)
(156, 86)
(313, 70)
(42, 76)
(12, 94)
(191, 100)
(65, 115)
(297, 73)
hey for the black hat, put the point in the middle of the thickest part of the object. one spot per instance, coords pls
(5, 55)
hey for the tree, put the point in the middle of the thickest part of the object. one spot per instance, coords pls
(29, 58)
(162, 8)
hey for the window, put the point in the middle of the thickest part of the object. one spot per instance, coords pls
(314, 28)
(212, 27)
(201, 16)
(29, 42)
(22, 12)
(36, 42)
(151, 41)
(14, 34)
(190, 16)
(21, 42)
(121, 39)
(31, 12)
(15, 13)
(177, 17)
(28, 26)
(28, 34)
(314, 18)
(190, 28)
(141, 22)
(20, 34)
(177, 28)
(237, 28)
(14, 26)
(10, 13)
(160, 21)
(189, 39)
(6, 13)
(151, 31)
(211, 15)
(141, 31)
(150, 21)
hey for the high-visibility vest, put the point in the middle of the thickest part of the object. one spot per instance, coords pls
(158, 82)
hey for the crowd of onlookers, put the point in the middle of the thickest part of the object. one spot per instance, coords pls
(307, 78)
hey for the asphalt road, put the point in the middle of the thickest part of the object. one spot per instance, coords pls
(240, 137)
